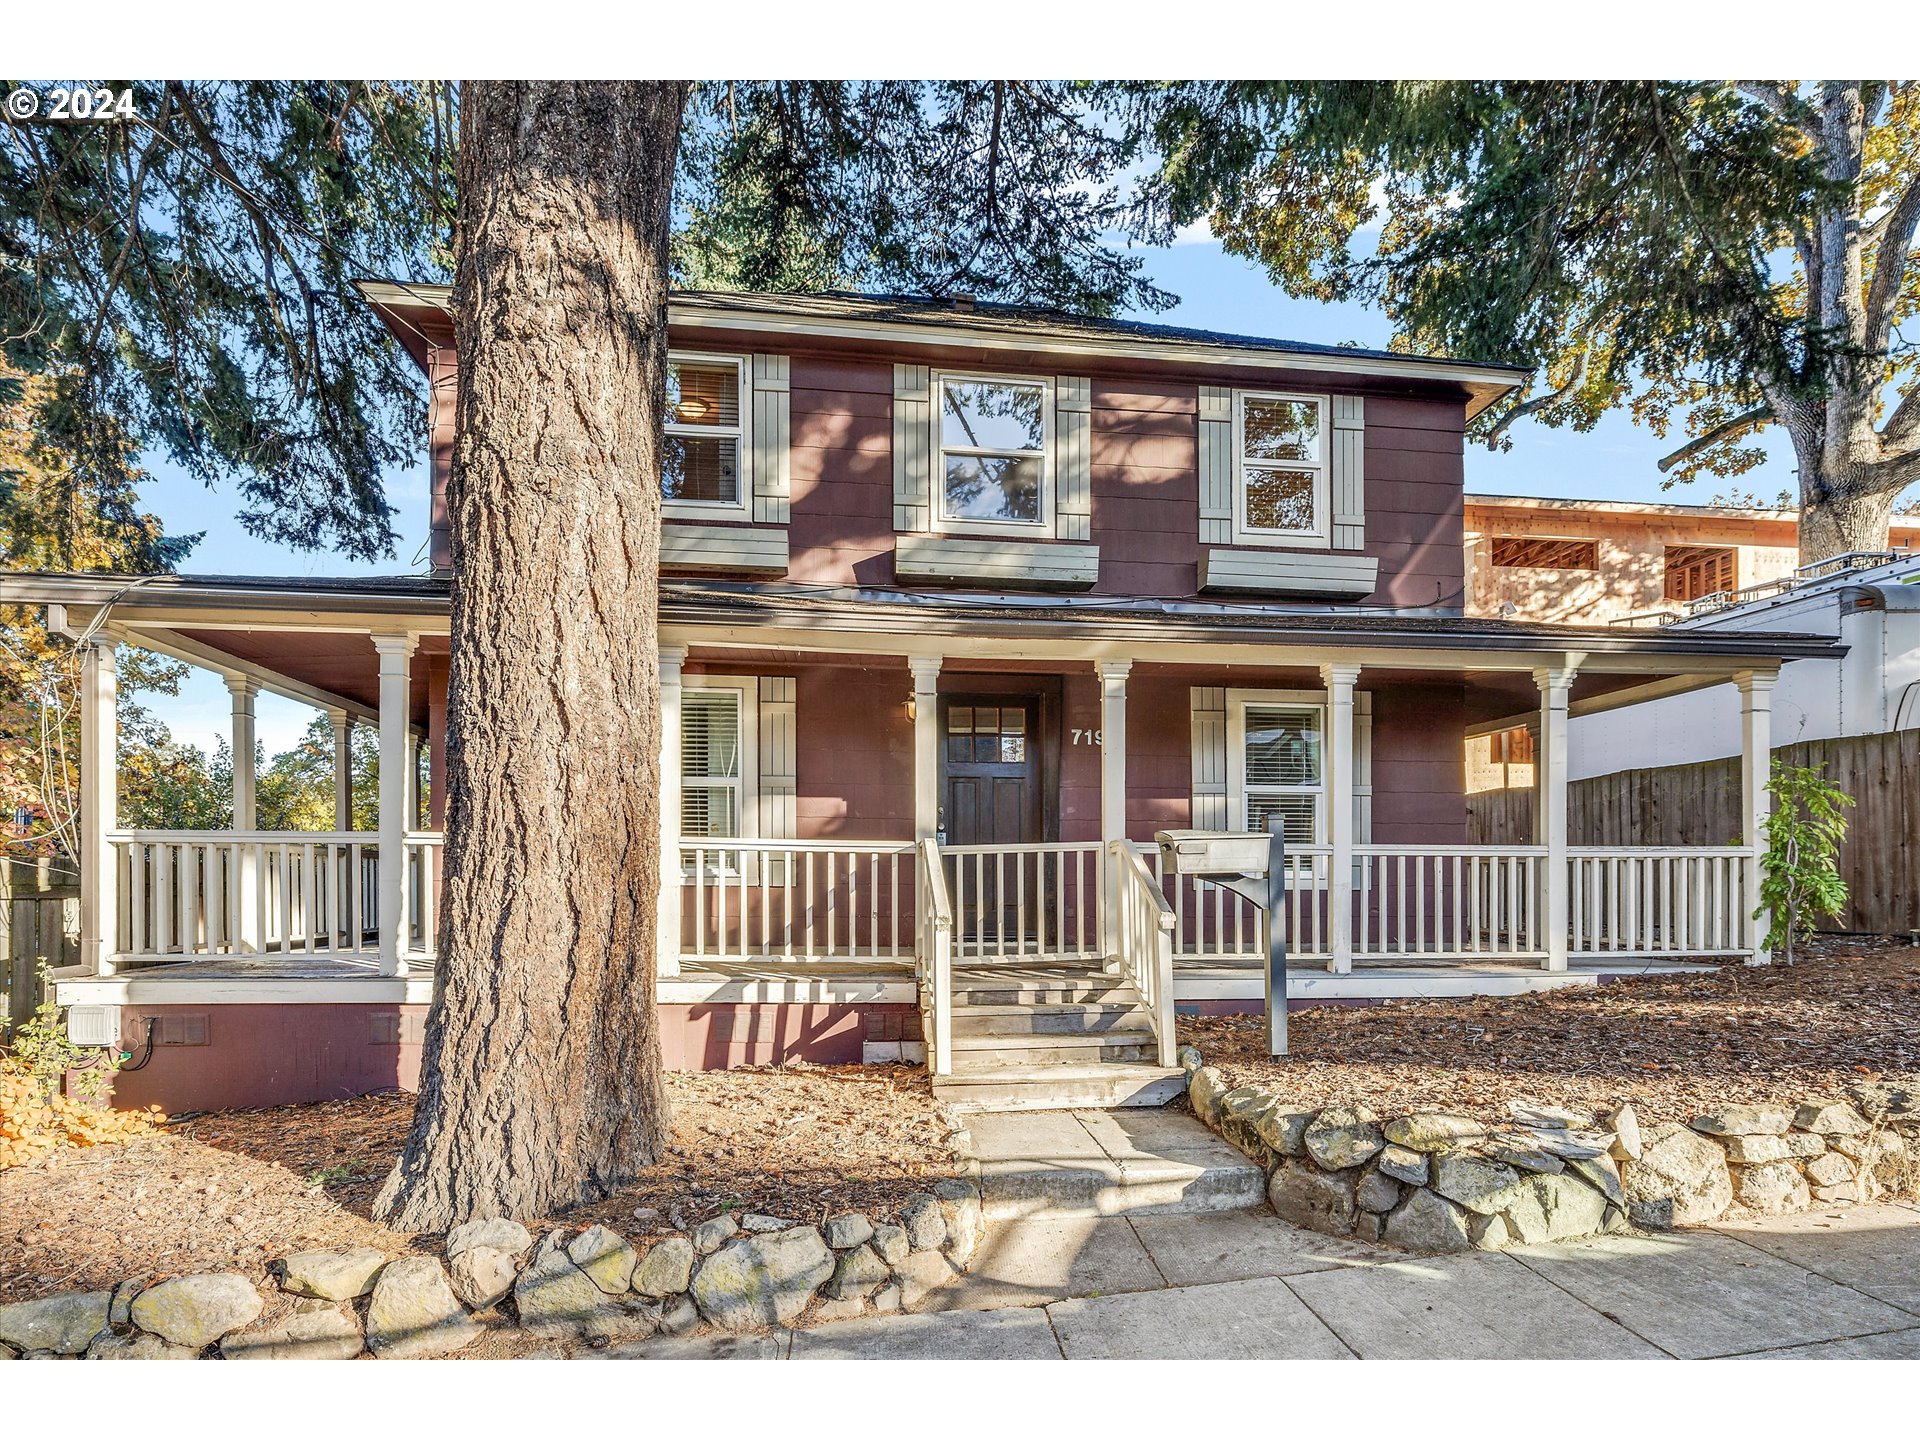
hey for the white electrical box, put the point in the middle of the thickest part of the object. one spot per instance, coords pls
(1213, 852)
(94, 1025)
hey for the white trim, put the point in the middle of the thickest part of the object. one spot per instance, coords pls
(157, 987)
(742, 507)
(746, 689)
(1042, 526)
(1320, 535)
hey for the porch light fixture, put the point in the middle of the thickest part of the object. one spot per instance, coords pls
(913, 710)
(693, 409)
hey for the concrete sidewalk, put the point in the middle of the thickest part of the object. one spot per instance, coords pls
(1834, 1284)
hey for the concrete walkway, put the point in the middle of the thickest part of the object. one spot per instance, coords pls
(1843, 1283)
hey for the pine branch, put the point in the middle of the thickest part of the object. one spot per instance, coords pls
(1726, 430)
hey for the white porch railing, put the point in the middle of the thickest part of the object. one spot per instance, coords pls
(1143, 926)
(1468, 902)
(1660, 901)
(1220, 925)
(933, 957)
(1026, 902)
(797, 900)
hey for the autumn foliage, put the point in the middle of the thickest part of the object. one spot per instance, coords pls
(38, 1115)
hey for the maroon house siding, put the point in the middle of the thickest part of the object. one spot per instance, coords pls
(1419, 770)
(854, 764)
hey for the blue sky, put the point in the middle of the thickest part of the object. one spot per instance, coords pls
(1616, 460)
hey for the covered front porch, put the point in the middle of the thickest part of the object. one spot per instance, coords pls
(884, 802)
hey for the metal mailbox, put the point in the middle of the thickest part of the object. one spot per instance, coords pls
(1252, 865)
(1213, 852)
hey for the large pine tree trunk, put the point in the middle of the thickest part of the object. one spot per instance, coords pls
(541, 1085)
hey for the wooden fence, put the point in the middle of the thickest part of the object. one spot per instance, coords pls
(1700, 805)
(41, 912)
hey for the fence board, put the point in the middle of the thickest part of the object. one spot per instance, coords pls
(1700, 805)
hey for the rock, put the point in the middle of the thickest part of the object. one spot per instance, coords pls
(1831, 1168)
(1427, 1222)
(891, 1244)
(851, 1308)
(1527, 1216)
(332, 1274)
(120, 1311)
(1616, 1222)
(764, 1280)
(1481, 1185)
(1743, 1120)
(1241, 1112)
(605, 1258)
(1343, 1136)
(63, 1323)
(1431, 1131)
(886, 1300)
(1771, 1189)
(414, 1314)
(1678, 1166)
(1370, 1228)
(1573, 1208)
(556, 1298)
(482, 1276)
(1408, 1166)
(136, 1345)
(847, 1229)
(1755, 1149)
(679, 1315)
(925, 1222)
(1526, 1155)
(1188, 1059)
(764, 1224)
(1802, 1146)
(628, 1318)
(960, 1207)
(327, 1334)
(924, 1272)
(1884, 1100)
(1604, 1175)
(1205, 1089)
(1547, 1117)
(1624, 1122)
(1283, 1128)
(508, 1235)
(1304, 1195)
(196, 1310)
(857, 1273)
(710, 1235)
(1838, 1194)
(1871, 1148)
(1830, 1117)
(1572, 1144)
(666, 1269)
(1490, 1232)
(1377, 1193)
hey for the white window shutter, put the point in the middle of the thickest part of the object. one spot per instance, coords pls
(912, 448)
(1349, 472)
(770, 439)
(1363, 767)
(1073, 457)
(779, 750)
(1216, 465)
(1208, 730)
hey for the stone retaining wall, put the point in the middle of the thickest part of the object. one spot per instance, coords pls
(591, 1288)
(1437, 1182)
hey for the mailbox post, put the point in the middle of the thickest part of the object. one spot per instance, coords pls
(1253, 866)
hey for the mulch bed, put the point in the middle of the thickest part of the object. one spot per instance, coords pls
(1673, 1045)
(235, 1190)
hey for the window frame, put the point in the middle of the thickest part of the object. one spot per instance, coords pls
(1238, 703)
(742, 507)
(746, 692)
(1042, 527)
(1320, 535)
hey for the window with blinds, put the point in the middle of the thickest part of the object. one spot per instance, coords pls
(702, 433)
(710, 763)
(1285, 771)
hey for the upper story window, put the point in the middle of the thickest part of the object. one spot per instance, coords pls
(700, 471)
(1281, 446)
(995, 468)
(1531, 552)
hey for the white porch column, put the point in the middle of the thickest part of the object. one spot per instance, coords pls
(245, 777)
(926, 745)
(1339, 680)
(342, 769)
(1113, 747)
(1756, 768)
(99, 805)
(413, 780)
(666, 956)
(1550, 776)
(394, 652)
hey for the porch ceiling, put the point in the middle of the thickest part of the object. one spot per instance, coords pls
(340, 664)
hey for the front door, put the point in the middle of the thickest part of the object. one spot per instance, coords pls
(990, 794)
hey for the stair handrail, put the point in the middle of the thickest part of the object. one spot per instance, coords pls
(933, 957)
(1143, 926)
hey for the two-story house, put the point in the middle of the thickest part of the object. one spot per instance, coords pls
(960, 605)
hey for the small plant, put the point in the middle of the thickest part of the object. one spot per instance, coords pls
(53, 1092)
(1799, 870)
(330, 1174)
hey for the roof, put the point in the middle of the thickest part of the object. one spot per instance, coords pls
(922, 320)
(1656, 507)
(830, 609)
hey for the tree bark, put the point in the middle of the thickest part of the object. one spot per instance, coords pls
(541, 1085)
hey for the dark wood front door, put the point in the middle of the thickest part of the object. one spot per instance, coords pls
(991, 793)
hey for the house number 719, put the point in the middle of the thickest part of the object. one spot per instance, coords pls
(1086, 737)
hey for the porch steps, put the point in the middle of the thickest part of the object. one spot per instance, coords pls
(1059, 1087)
(1066, 1165)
